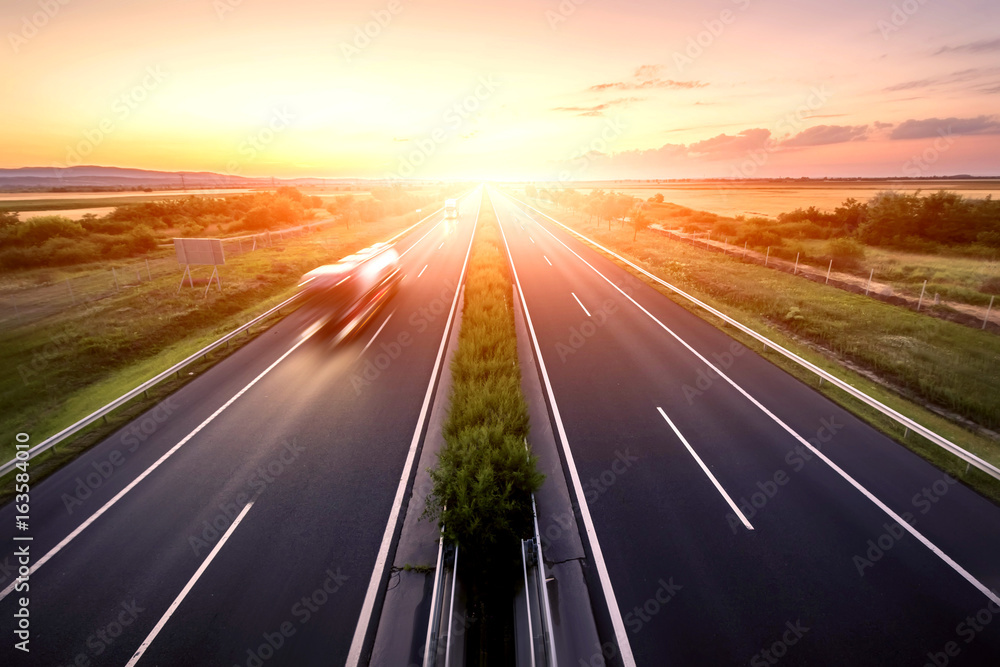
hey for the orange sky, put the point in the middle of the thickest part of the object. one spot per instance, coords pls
(577, 89)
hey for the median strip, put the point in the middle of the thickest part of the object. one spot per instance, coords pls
(484, 480)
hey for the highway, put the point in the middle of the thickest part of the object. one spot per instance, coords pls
(731, 514)
(247, 519)
(735, 515)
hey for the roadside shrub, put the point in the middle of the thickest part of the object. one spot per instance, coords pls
(846, 253)
(990, 285)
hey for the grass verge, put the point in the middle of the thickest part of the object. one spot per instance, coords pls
(485, 476)
(941, 374)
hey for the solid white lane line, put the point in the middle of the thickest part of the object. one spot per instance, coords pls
(369, 344)
(547, 260)
(581, 303)
(187, 589)
(850, 480)
(707, 471)
(624, 647)
(422, 270)
(381, 560)
(108, 505)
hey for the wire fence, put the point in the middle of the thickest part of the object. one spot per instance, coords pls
(865, 280)
(24, 305)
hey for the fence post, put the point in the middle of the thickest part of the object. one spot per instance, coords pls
(795, 271)
(828, 269)
(149, 272)
(988, 309)
(745, 249)
(767, 255)
(869, 285)
(72, 296)
(114, 274)
(920, 301)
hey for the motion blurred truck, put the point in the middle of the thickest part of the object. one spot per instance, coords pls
(451, 209)
(346, 295)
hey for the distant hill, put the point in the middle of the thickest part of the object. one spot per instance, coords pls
(88, 176)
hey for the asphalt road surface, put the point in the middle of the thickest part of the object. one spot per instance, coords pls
(739, 516)
(249, 538)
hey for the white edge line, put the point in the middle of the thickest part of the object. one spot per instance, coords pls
(602, 569)
(965, 574)
(422, 270)
(934, 437)
(707, 471)
(581, 303)
(369, 344)
(364, 619)
(170, 452)
(187, 589)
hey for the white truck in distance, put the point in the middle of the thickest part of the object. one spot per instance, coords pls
(451, 209)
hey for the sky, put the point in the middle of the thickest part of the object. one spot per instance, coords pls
(556, 90)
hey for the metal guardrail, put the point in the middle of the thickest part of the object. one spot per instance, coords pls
(903, 420)
(53, 440)
(437, 646)
(541, 647)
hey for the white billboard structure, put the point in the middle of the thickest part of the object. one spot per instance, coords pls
(200, 252)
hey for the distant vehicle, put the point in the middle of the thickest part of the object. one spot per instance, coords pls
(451, 209)
(348, 294)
